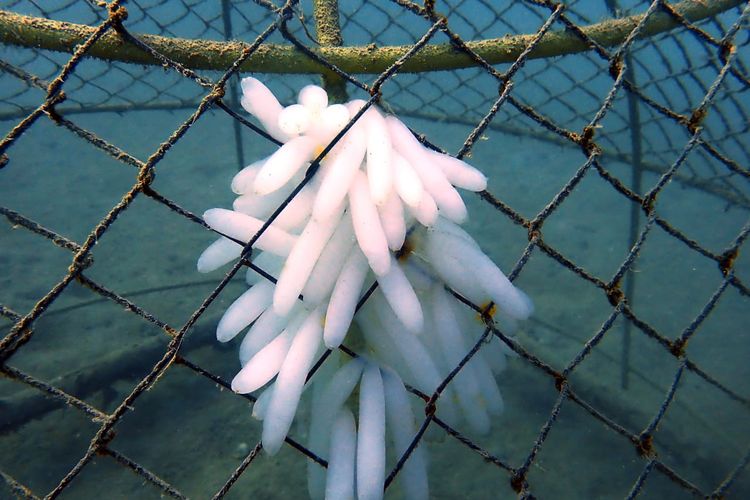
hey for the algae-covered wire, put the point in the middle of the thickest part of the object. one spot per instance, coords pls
(17, 29)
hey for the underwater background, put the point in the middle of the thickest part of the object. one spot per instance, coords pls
(192, 433)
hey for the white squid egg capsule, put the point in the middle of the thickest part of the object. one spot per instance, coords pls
(261, 404)
(406, 181)
(314, 98)
(341, 169)
(283, 165)
(370, 470)
(355, 105)
(244, 227)
(259, 101)
(392, 220)
(340, 474)
(332, 120)
(402, 298)
(379, 156)
(264, 366)
(459, 173)
(291, 381)
(243, 181)
(294, 119)
(401, 424)
(427, 211)
(244, 311)
(367, 227)
(218, 253)
(343, 303)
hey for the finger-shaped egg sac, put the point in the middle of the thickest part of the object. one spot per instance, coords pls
(290, 382)
(283, 164)
(367, 227)
(244, 227)
(260, 102)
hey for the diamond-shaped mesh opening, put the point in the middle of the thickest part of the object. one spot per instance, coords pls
(41, 451)
(184, 18)
(150, 227)
(721, 348)
(97, 180)
(598, 241)
(526, 391)
(560, 327)
(618, 199)
(282, 475)
(382, 23)
(149, 435)
(678, 82)
(216, 165)
(483, 19)
(727, 128)
(100, 351)
(672, 283)
(62, 10)
(681, 205)
(523, 171)
(657, 484)
(437, 94)
(580, 436)
(32, 266)
(695, 400)
(649, 376)
(121, 481)
(554, 91)
(41, 64)
(453, 463)
(496, 228)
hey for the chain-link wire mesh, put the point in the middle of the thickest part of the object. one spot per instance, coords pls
(618, 197)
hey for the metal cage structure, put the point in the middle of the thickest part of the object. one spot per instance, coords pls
(615, 134)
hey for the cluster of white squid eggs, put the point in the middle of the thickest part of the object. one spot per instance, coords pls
(344, 230)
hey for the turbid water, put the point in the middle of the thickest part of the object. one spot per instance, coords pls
(193, 434)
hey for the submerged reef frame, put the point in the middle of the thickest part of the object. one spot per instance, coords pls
(49, 34)
(717, 27)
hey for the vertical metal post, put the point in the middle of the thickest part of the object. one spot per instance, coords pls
(328, 30)
(636, 179)
(234, 99)
(636, 176)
